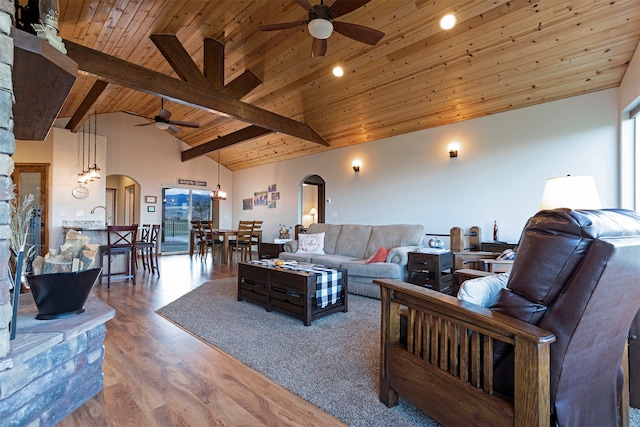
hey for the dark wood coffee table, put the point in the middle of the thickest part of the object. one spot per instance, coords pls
(287, 291)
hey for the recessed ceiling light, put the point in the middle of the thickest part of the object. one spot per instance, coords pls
(338, 71)
(448, 21)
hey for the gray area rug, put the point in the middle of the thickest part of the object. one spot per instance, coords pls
(334, 363)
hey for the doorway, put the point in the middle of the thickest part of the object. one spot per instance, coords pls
(179, 207)
(312, 196)
(33, 178)
(122, 200)
(130, 205)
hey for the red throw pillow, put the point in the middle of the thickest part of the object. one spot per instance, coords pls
(380, 256)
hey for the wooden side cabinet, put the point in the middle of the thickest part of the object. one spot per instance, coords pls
(270, 250)
(433, 271)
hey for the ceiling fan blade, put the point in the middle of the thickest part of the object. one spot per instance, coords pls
(164, 114)
(342, 7)
(136, 114)
(174, 129)
(146, 124)
(306, 5)
(358, 32)
(186, 124)
(319, 47)
(281, 26)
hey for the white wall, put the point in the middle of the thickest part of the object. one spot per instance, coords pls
(504, 161)
(629, 97)
(629, 91)
(152, 158)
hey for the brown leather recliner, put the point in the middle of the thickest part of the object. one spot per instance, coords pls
(578, 278)
(577, 275)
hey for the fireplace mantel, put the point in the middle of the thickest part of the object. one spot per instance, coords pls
(42, 79)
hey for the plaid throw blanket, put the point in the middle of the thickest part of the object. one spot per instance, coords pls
(328, 285)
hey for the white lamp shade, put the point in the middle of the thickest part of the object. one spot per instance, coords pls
(573, 192)
(313, 211)
(320, 28)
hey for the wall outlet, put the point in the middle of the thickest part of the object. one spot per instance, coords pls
(79, 213)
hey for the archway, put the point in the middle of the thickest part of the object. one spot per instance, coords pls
(312, 192)
(122, 200)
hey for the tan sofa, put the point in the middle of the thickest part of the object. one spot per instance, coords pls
(349, 246)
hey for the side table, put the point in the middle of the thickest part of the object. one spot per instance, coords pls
(270, 250)
(433, 271)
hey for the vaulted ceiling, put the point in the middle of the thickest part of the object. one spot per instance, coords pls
(501, 55)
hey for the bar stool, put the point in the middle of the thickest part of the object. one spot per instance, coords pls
(121, 240)
(143, 246)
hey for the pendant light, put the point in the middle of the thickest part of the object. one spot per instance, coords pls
(86, 176)
(218, 194)
(81, 174)
(94, 171)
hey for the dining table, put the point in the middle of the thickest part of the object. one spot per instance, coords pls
(225, 235)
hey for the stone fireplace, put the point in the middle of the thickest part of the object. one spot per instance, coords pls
(52, 366)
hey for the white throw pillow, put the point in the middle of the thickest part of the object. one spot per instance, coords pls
(311, 243)
(483, 291)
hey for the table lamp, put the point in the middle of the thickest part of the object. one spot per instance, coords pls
(313, 212)
(573, 192)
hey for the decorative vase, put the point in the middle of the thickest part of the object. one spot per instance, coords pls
(436, 243)
(60, 295)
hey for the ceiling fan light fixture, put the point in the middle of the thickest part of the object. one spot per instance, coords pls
(162, 125)
(320, 28)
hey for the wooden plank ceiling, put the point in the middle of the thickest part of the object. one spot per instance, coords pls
(502, 55)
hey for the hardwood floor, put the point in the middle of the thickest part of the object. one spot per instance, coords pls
(156, 374)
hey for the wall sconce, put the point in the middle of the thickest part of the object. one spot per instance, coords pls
(356, 165)
(453, 149)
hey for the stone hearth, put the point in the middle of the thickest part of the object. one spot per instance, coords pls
(53, 366)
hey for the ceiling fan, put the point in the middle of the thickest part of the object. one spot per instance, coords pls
(163, 122)
(321, 24)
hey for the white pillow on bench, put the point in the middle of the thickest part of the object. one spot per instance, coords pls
(483, 291)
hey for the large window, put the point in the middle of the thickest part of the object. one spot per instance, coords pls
(179, 207)
(635, 116)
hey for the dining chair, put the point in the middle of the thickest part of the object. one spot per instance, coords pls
(203, 241)
(242, 243)
(255, 240)
(216, 244)
(121, 240)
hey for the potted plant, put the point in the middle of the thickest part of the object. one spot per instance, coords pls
(20, 217)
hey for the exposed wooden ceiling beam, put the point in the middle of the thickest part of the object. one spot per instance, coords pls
(179, 59)
(241, 85)
(214, 62)
(213, 77)
(246, 134)
(123, 73)
(83, 111)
